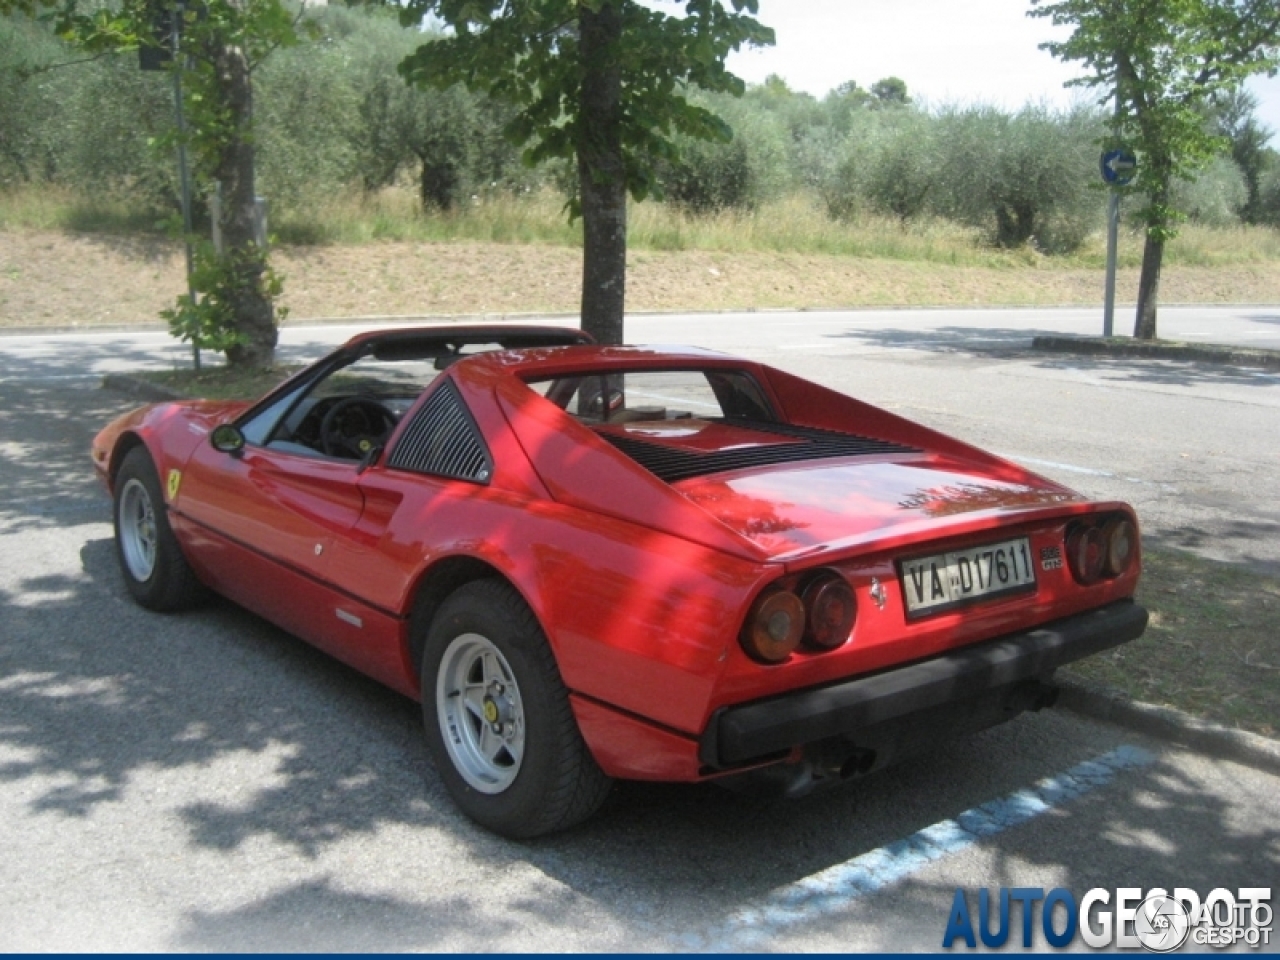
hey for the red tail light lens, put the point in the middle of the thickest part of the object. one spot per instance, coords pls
(830, 609)
(1086, 553)
(774, 626)
(1119, 537)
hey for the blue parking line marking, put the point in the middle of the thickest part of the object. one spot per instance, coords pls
(829, 891)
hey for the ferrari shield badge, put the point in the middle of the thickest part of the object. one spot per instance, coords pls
(175, 481)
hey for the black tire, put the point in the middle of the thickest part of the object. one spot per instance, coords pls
(541, 778)
(155, 571)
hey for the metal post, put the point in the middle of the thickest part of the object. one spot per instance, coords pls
(1113, 235)
(183, 173)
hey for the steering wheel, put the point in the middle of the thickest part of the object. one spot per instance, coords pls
(355, 425)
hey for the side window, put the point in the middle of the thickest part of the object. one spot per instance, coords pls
(343, 413)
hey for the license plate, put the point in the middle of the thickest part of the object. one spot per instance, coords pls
(945, 580)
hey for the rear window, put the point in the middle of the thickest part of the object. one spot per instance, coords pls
(623, 397)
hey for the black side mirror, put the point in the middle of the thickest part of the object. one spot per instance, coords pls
(227, 438)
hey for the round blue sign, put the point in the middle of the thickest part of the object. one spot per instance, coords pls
(1118, 166)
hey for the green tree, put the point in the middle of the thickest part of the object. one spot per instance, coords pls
(224, 40)
(1161, 62)
(1022, 178)
(601, 83)
(890, 92)
(1232, 117)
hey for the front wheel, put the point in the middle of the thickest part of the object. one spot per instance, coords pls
(155, 571)
(498, 720)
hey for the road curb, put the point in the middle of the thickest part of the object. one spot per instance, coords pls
(1166, 723)
(1161, 349)
(142, 389)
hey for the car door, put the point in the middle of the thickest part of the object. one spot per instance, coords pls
(276, 511)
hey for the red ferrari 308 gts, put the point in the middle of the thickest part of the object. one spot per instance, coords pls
(595, 562)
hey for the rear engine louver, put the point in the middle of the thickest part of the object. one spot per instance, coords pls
(671, 464)
(443, 440)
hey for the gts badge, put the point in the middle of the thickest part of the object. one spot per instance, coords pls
(1050, 558)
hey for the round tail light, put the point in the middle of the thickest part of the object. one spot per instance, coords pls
(1119, 537)
(774, 626)
(1086, 553)
(830, 609)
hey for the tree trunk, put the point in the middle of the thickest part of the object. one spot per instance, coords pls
(602, 175)
(254, 314)
(1144, 326)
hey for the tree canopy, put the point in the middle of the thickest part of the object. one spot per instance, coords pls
(602, 83)
(1162, 63)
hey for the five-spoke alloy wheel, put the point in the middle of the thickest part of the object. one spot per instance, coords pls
(498, 721)
(480, 713)
(155, 571)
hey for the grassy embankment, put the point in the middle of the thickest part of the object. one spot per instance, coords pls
(795, 224)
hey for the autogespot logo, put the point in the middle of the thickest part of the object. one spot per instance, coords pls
(1126, 918)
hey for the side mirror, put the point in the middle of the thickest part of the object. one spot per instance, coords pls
(227, 438)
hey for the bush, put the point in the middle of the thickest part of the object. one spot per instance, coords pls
(749, 170)
(1025, 178)
(1214, 198)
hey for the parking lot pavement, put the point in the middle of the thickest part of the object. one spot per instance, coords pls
(206, 782)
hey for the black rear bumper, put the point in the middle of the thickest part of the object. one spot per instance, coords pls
(750, 732)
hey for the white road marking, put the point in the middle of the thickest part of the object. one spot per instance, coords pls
(831, 891)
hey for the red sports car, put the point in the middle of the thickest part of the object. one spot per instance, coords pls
(594, 562)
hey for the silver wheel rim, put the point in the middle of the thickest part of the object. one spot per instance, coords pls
(137, 524)
(480, 712)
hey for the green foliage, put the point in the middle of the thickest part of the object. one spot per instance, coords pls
(304, 109)
(527, 53)
(1232, 117)
(219, 282)
(1163, 62)
(1021, 178)
(1269, 190)
(750, 169)
(1214, 198)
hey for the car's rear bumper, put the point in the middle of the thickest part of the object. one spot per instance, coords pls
(749, 732)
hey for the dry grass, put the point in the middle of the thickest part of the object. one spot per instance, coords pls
(53, 278)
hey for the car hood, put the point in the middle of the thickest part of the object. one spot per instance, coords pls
(836, 506)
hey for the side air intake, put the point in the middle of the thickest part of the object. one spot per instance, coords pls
(443, 440)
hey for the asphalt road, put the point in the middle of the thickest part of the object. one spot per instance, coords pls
(206, 782)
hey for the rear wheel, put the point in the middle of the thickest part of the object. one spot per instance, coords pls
(498, 720)
(155, 571)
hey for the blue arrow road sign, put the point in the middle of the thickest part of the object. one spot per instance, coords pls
(1118, 166)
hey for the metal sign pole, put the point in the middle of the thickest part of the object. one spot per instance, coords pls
(183, 172)
(1113, 236)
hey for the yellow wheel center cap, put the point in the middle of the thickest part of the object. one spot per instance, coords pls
(490, 711)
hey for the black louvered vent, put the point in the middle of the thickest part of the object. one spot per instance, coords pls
(671, 464)
(443, 440)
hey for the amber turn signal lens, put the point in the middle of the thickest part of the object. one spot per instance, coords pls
(774, 626)
(1086, 553)
(1119, 537)
(830, 609)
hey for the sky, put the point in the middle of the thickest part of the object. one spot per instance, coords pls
(948, 52)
